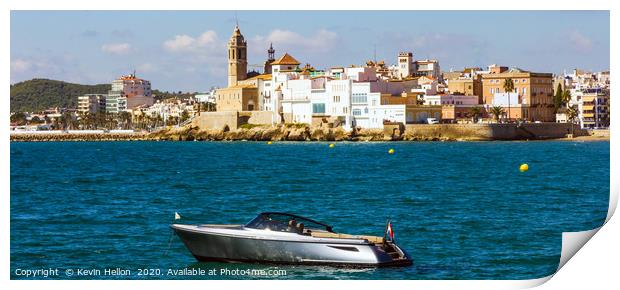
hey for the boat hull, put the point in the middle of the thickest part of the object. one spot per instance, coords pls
(219, 247)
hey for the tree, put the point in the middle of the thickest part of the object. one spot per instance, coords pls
(497, 111)
(125, 119)
(509, 85)
(565, 98)
(19, 118)
(184, 116)
(36, 120)
(475, 111)
(67, 121)
(571, 113)
(557, 99)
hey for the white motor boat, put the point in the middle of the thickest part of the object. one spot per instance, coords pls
(282, 238)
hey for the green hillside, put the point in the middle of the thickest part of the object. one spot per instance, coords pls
(39, 94)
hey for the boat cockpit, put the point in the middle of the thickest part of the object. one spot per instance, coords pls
(285, 222)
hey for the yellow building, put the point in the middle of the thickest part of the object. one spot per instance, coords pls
(420, 113)
(535, 93)
(595, 110)
(414, 112)
(466, 86)
(237, 58)
(243, 97)
(239, 95)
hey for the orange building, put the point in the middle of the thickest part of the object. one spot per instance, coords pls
(534, 90)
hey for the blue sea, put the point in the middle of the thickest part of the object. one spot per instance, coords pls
(461, 209)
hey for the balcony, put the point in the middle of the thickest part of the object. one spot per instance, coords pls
(296, 99)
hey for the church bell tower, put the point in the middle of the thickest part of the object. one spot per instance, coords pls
(237, 58)
(270, 58)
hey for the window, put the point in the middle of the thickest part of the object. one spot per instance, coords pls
(357, 112)
(318, 108)
(497, 90)
(365, 110)
(359, 98)
(524, 90)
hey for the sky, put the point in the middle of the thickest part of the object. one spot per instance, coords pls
(186, 50)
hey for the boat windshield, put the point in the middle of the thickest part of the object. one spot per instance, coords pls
(284, 222)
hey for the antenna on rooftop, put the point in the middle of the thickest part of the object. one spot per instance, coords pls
(236, 20)
(375, 53)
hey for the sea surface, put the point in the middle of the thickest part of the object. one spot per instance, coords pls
(461, 209)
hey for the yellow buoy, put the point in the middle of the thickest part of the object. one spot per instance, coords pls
(391, 151)
(331, 145)
(524, 167)
(269, 142)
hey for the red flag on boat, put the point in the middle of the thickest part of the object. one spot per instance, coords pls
(389, 231)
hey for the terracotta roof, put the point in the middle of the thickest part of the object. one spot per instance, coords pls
(286, 59)
(262, 77)
(241, 86)
(322, 76)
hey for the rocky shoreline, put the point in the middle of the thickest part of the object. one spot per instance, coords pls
(275, 133)
(264, 133)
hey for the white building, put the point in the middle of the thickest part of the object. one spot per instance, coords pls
(406, 66)
(342, 96)
(170, 108)
(137, 92)
(206, 97)
(428, 67)
(461, 100)
(91, 103)
(115, 102)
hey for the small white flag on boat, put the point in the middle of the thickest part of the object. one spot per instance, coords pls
(177, 216)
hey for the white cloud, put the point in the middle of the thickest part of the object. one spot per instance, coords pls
(580, 42)
(321, 41)
(20, 65)
(23, 68)
(116, 48)
(208, 40)
(146, 67)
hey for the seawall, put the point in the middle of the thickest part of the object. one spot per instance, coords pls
(526, 131)
(302, 132)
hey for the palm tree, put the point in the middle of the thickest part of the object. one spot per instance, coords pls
(571, 113)
(497, 111)
(184, 116)
(509, 86)
(475, 111)
(565, 98)
(125, 119)
(67, 120)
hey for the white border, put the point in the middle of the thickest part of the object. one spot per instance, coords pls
(598, 260)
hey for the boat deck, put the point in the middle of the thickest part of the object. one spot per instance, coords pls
(372, 239)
